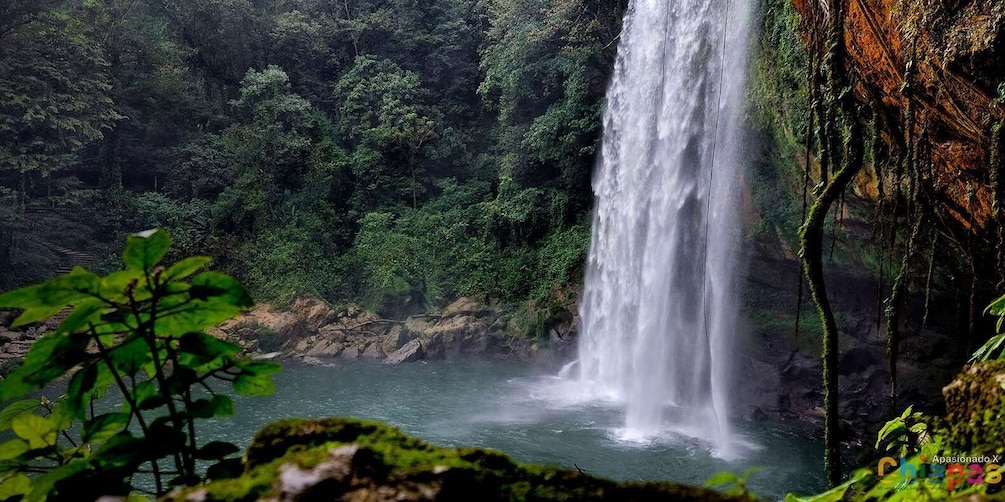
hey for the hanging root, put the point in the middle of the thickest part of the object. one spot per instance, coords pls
(928, 283)
(893, 305)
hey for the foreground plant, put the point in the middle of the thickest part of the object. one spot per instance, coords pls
(141, 332)
(995, 347)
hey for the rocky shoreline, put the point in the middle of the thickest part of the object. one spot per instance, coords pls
(782, 384)
(315, 333)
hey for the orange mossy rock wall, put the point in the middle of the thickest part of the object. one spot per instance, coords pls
(945, 57)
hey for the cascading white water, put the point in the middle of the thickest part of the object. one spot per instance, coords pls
(659, 304)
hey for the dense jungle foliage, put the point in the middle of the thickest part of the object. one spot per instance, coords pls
(391, 152)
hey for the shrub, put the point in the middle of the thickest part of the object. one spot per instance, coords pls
(141, 331)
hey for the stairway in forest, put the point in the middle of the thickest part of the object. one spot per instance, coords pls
(70, 260)
(14, 344)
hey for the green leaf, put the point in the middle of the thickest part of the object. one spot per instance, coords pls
(13, 449)
(23, 298)
(123, 450)
(16, 409)
(38, 431)
(997, 307)
(835, 494)
(103, 427)
(204, 353)
(36, 314)
(250, 384)
(129, 357)
(219, 405)
(145, 249)
(220, 288)
(722, 478)
(43, 485)
(907, 412)
(18, 484)
(48, 358)
(43, 300)
(195, 316)
(147, 396)
(86, 312)
(216, 450)
(186, 267)
(113, 286)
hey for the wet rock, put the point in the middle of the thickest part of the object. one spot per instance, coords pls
(410, 352)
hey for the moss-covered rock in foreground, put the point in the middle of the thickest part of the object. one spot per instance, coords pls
(346, 459)
(975, 409)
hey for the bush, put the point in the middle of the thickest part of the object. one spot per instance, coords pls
(141, 330)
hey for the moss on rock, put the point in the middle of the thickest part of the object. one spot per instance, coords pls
(975, 409)
(348, 459)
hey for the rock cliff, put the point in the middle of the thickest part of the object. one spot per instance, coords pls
(943, 61)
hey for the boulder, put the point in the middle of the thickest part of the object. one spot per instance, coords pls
(975, 409)
(348, 459)
(351, 352)
(315, 313)
(372, 351)
(410, 352)
(396, 338)
(464, 305)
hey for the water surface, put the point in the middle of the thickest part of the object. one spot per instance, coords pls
(531, 416)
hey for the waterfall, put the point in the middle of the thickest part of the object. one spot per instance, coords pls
(659, 306)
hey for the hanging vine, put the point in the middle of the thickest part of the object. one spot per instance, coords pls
(839, 114)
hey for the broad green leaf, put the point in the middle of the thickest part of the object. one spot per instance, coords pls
(18, 484)
(218, 288)
(23, 298)
(16, 409)
(216, 450)
(78, 392)
(203, 353)
(38, 431)
(43, 485)
(44, 300)
(255, 378)
(722, 478)
(195, 316)
(113, 286)
(12, 449)
(147, 396)
(49, 358)
(145, 249)
(835, 494)
(86, 312)
(103, 427)
(123, 450)
(130, 356)
(35, 314)
(186, 267)
(219, 405)
(250, 384)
